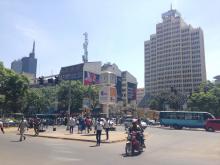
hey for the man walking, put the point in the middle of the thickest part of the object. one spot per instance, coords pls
(2, 127)
(98, 129)
(21, 128)
(72, 123)
(107, 128)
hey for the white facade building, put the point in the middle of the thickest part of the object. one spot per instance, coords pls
(174, 56)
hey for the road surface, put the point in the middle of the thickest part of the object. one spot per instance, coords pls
(164, 147)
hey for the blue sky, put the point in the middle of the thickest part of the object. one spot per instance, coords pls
(117, 30)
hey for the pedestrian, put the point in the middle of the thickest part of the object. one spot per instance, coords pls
(98, 129)
(88, 122)
(36, 125)
(72, 123)
(2, 127)
(22, 126)
(107, 128)
(82, 124)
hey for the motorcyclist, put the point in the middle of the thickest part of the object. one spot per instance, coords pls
(142, 132)
(135, 127)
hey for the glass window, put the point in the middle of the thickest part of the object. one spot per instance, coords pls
(180, 115)
(188, 116)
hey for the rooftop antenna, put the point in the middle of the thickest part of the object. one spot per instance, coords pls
(85, 46)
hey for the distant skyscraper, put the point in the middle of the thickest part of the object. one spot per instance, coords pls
(26, 64)
(16, 65)
(29, 64)
(174, 56)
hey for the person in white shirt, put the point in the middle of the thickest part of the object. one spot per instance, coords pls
(107, 128)
(22, 126)
(72, 123)
(98, 129)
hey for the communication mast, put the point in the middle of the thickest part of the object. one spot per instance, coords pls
(85, 46)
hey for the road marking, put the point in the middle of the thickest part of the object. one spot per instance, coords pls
(66, 159)
(63, 151)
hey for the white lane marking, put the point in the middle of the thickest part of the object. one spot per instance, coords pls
(66, 159)
(63, 151)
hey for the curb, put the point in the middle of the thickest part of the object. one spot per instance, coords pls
(76, 139)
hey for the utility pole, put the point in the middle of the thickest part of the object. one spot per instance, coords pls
(69, 104)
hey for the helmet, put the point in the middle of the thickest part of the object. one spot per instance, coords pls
(134, 121)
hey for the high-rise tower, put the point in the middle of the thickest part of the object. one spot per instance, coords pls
(174, 56)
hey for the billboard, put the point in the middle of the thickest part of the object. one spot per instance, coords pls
(103, 95)
(107, 95)
(132, 91)
(113, 94)
(91, 78)
(74, 72)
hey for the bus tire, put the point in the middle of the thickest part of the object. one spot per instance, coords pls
(175, 126)
(210, 129)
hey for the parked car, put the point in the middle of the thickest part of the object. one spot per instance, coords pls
(143, 124)
(9, 123)
(212, 125)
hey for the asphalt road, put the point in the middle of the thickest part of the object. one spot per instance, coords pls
(164, 147)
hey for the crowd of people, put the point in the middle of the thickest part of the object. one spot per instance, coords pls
(82, 124)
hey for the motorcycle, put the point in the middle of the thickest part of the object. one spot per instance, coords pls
(134, 143)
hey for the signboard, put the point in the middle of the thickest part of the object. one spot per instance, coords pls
(113, 95)
(91, 78)
(86, 103)
(103, 94)
(107, 95)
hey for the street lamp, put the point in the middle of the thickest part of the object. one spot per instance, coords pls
(69, 104)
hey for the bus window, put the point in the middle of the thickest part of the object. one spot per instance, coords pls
(172, 115)
(188, 116)
(180, 116)
(196, 116)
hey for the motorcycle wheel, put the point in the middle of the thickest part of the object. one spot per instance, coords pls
(128, 149)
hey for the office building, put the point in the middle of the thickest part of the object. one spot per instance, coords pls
(29, 64)
(140, 95)
(16, 66)
(217, 80)
(26, 65)
(174, 56)
(129, 88)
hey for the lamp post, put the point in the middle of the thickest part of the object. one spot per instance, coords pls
(69, 104)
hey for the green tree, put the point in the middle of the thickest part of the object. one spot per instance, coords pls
(206, 100)
(92, 92)
(73, 90)
(14, 87)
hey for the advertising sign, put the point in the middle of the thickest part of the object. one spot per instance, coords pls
(91, 78)
(107, 95)
(103, 95)
(113, 94)
(86, 103)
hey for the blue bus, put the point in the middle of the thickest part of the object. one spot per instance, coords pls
(180, 119)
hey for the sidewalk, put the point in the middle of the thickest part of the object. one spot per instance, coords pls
(61, 133)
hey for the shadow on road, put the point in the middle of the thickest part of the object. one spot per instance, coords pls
(94, 146)
(133, 155)
(15, 141)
